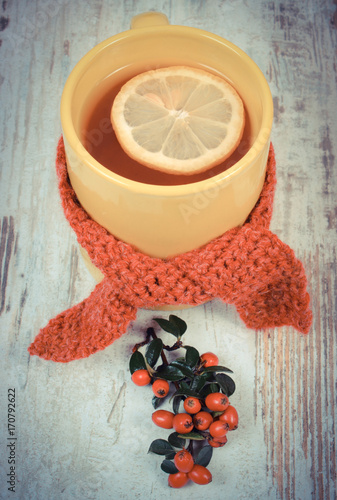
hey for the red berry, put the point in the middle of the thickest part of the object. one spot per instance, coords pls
(183, 460)
(218, 429)
(230, 416)
(209, 359)
(178, 480)
(217, 442)
(202, 420)
(141, 377)
(192, 405)
(163, 418)
(182, 423)
(160, 388)
(216, 401)
(200, 475)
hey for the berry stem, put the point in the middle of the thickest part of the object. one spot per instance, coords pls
(141, 344)
(174, 347)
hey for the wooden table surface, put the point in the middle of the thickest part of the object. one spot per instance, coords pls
(83, 429)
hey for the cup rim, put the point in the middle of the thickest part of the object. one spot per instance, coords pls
(238, 168)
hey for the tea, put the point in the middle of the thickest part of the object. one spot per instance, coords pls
(100, 141)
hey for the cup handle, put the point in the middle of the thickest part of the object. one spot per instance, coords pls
(148, 19)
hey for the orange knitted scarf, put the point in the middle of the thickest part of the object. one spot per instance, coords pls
(247, 266)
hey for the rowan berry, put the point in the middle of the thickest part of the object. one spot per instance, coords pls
(183, 460)
(202, 420)
(160, 388)
(192, 405)
(218, 429)
(209, 359)
(216, 401)
(200, 475)
(141, 377)
(182, 423)
(230, 416)
(178, 480)
(163, 418)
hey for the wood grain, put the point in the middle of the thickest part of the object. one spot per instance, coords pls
(83, 430)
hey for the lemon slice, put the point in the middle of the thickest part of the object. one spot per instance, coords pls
(178, 120)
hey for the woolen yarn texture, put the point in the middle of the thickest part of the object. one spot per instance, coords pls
(248, 266)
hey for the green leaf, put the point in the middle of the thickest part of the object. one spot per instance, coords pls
(217, 369)
(216, 414)
(160, 447)
(192, 435)
(176, 404)
(200, 380)
(168, 467)
(167, 326)
(180, 324)
(176, 441)
(192, 356)
(226, 383)
(170, 455)
(186, 392)
(184, 385)
(171, 373)
(204, 456)
(137, 362)
(183, 367)
(209, 388)
(153, 351)
(156, 402)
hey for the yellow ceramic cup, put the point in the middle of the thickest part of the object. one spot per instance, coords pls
(162, 220)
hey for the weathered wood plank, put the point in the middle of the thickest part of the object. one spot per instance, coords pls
(83, 429)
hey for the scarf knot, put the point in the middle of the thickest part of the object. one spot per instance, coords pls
(248, 266)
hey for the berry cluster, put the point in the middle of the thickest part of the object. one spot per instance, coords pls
(201, 387)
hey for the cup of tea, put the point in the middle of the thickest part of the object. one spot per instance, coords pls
(158, 213)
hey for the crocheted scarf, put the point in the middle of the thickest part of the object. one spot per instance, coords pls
(247, 266)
